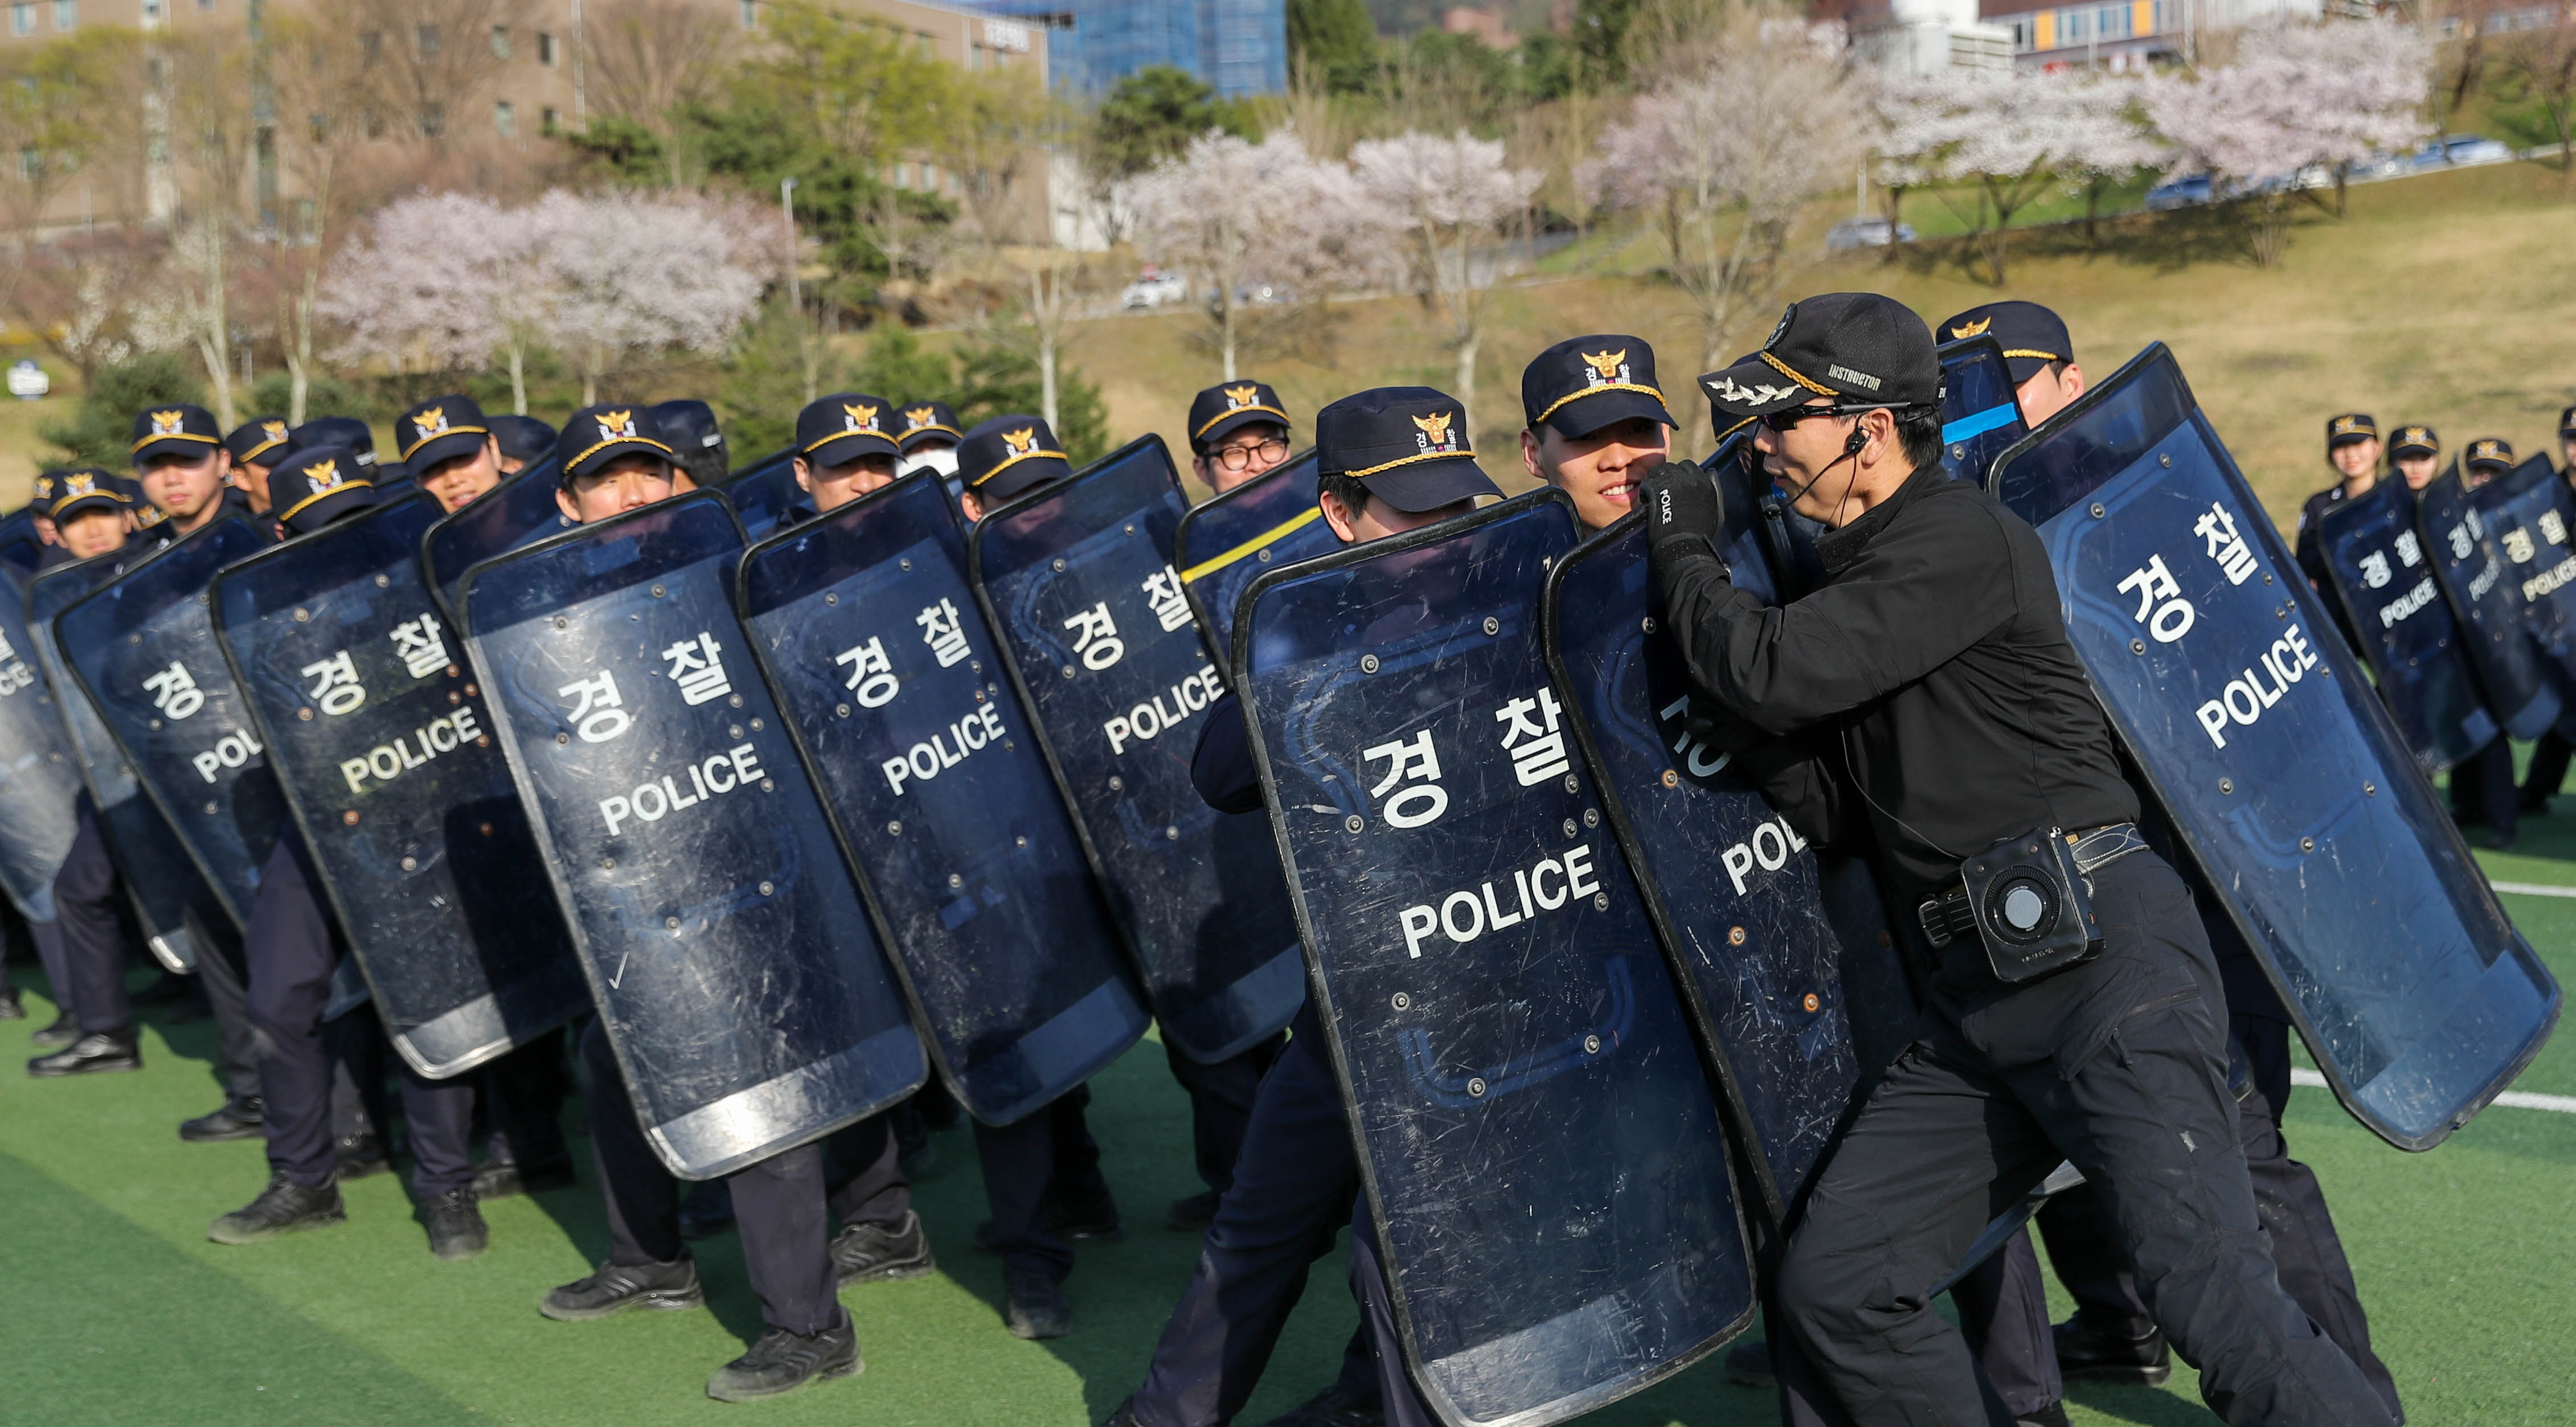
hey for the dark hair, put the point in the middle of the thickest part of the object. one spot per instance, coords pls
(1918, 429)
(1351, 491)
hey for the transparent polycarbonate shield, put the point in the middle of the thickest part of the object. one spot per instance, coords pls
(765, 495)
(886, 672)
(143, 648)
(40, 775)
(1980, 415)
(2486, 608)
(519, 511)
(381, 740)
(1223, 543)
(2376, 560)
(2277, 767)
(1537, 1133)
(1739, 899)
(2527, 512)
(1077, 579)
(735, 969)
(158, 878)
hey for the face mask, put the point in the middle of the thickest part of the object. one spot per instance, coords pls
(943, 460)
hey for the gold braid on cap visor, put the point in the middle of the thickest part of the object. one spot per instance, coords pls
(1560, 402)
(289, 513)
(1237, 411)
(433, 436)
(1015, 460)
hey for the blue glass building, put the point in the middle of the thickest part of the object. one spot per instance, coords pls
(1237, 46)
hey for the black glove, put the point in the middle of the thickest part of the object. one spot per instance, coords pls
(1685, 511)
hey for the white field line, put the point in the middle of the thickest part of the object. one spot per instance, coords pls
(2516, 1099)
(2534, 889)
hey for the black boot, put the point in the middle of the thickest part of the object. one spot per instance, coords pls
(1036, 1305)
(233, 1120)
(2085, 1350)
(783, 1362)
(456, 1228)
(10, 1010)
(103, 1051)
(282, 1208)
(618, 1287)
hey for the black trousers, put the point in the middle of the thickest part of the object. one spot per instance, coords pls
(1221, 1104)
(1294, 1188)
(527, 1094)
(2118, 1065)
(2482, 787)
(1046, 1158)
(2549, 759)
(223, 969)
(91, 946)
(863, 1172)
(778, 1205)
(2305, 1247)
(292, 946)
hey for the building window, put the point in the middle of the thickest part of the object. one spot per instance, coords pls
(22, 18)
(751, 14)
(433, 120)
(500, 42)
(2111, 22)
(205, 4)
(550, 122)
(151, 12)
(505, 120)
(546, 50)
(426, 36)
(66, 14)
(371, 47)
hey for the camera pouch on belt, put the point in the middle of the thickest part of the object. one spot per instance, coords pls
(2028, 900)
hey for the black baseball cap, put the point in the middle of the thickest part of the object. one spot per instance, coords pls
(2493, 452)
(844, 426)
(2350, 426)
(440, 429)
(596, 435)
(86, 488)
(258, 441)
(1228, 407)
(2414, 441)
(1407, 444)
(1008, 455)
(2032, 336)
(522, 438)
(927, 421)
(690, 426)
(180, 430)
(1582, 384)
(316, 485)
(346, 432)
(1861, 348)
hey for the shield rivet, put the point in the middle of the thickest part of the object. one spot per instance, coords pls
(736, 702)
(841, 710)
(483, 741)
(560, 621)
(411, 864)
(1493, 626)
(905, 563)
(485, 829)
(1600, 901)
(734, 730)
(1401, 1002)
(213, 808)
(1812, 1003)
(1592, 1045)
(1131, 527)
(305, 714)
(1059, 564)
(1263, 557)
(1569, 827)
(1735, 936)
(1368, 664)
(350, 817)
(1592, 817)
(1647, 624)
(894, 829)
(454, 698)
(832, 598)
(657, 592)
(1573, 784)
(201, 596)
(2165, 461)
(156, 723)
(956, 881)
(1116, 783)
(2227, 785)
(673, 923)
(1354, 823)
(608, 864)
(1021, 841)
(134, 639)
(1008, 746)
(562, 739)
(2137, 646)
(2307, 844)
(768, 889)
(769, 785)
(1672, 779)
(469, 689)
(1476, 1087)
(1068, 671)
(2098, 511)
(303, 616)
(2370, 790)
(384, 582)
(755, 725)
(1171, 834)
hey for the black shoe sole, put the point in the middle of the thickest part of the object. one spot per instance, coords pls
(921, 1267)
(454, 1249)
(363, 1168)
(309, 1221)
(852, 1368)
(2151, 1376)
(234, 1131)
(104, 1065)
(660, 1300)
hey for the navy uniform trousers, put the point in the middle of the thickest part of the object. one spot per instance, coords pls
(1221, 1095)
(2118, 1065)
(292, 945)
(1046, 1158)
(1295, 1186)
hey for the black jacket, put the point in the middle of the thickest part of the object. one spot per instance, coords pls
(1923, 699)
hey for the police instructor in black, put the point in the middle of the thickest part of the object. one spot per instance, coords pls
(1923, 707)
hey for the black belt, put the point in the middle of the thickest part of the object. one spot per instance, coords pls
(1946, 916)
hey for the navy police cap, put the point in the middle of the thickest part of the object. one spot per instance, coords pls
(85, 488)
(2415, 441)
(522, 438)
(176, 430)
(2032, 336)
(928, 421)
(844, 426)
(317, 485)
(1407, 444)
(1228, 407)
(258, 441)
(1008, 455)
(1583, 384)
(2491, 452)
(344, 431)
(596, 435)
(440, 429)
(2351, 426)
(1861, 349)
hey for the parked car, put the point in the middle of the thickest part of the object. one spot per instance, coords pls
(2456, 150)
(1156, 289)
(2180, 193)
(1865, 233)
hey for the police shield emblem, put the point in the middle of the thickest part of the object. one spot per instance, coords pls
(2486, 606)
(380, 739)
(158, 878)
(1980, 414)
(886, 672)
(2280, 772)
(2375, 558)
(143, 648)
(520, 511)
(1508, 1040)
(40, 776)
(1746, 912)
(747, 999)
(1221, 545)
(765, 495)
(1077, 579)
(2528, 512)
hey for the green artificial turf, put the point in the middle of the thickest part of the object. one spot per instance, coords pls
(118, 1312)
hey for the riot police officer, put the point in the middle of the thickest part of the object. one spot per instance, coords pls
(697, 444)
(522, 439)
(256, 446)
(448, 448)
(1238, 431)
(843, 450)
(1596, 422)
(2551, 755)
(929, 438)
(2352, 448)
(1924, 703)
(2482, 790)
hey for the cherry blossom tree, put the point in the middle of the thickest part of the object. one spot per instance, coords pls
(1448, 198)
(2297, 100)
(632, 276)
(429, 287)
(1725, 158)
(1234, 214)
(2102, 140)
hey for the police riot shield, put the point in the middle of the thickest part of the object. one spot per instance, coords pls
(40, 776)
(159, 880)
(143, 648)
(886, 672)
(1220, 546)
(2528, 512)
(379, 738)
(519, 511)
(1743, 907)
(1077, 579)
(1980, 412)
(20, 547)
(2281, 774)
(737, 976)
(2375, 558)
(765, 495)
(2486, 608)
(1536, 1132)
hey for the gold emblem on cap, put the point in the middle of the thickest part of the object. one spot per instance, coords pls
(169, 423)
(273, 430)
(1436, 426)
(1022, 442)
(917, 417)
(1978, 328)
(1239, 397)
(1605, 365)
(78, 484)
(44, 487)
(322, 475)
(430, 422)
(616, 425)
(862, 417)
(2344, 425)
